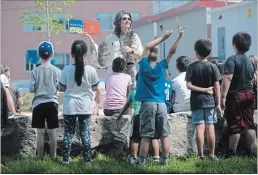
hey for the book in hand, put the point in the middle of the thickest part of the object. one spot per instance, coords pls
(76, 26)
(92, 27)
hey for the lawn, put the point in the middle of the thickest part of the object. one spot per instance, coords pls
(109, 165)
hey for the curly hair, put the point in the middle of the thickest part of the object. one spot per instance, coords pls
(117, 21)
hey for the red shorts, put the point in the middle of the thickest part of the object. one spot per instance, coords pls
(239, 111)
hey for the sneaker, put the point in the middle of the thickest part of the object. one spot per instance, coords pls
(229, 154)
(142, 160)
(155, 158)
(64, 163)
(87, 162)
(132, 160)
(201, 158)
(250, 153)
(164, 161)
(214, 158)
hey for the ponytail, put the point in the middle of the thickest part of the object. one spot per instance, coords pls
(79, 48)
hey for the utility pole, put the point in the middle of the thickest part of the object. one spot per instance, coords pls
(154, 29)
(47, 16)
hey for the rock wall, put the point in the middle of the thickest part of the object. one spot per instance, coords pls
(110, 135)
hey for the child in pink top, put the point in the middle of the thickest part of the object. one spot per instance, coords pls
(117, 88)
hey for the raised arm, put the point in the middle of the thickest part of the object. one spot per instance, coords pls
(92, 42)
(172, 50)
(155, 42)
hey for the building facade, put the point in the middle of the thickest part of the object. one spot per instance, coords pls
(192, 15)
(227, 21)
(17, 37)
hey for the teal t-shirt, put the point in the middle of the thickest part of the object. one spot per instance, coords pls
(131, 100)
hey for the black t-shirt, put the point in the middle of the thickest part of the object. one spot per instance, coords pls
(242, 69)
(202, 74)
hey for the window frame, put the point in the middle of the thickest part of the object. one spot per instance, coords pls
(66, 61)
(113, 14)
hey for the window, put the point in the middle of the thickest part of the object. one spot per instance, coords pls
(32, 28)
(28, 65)
(61, 60)
(160, 6)
(62, 20)
(106, 20)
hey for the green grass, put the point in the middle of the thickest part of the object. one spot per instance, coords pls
(109, 165)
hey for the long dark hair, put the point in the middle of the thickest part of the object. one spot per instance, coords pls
(78, 50)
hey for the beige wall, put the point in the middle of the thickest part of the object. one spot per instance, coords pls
(196, 28)
(15, 41)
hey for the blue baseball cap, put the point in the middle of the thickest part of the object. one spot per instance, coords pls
(45, 49)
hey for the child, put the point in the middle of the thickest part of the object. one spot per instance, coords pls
(135, 134)
(202, 76)
(150, 92)
(6, 84)
(117, 87)
(181, 95)
(237, 95)
(78, 81)
(14, 91)
(43, 83)
(168, 92)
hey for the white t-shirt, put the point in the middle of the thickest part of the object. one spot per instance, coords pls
(182, 99)
(5, 81)
(78, 99)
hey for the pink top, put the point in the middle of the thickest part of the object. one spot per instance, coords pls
(116, 89)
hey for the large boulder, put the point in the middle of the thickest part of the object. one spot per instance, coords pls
(18, 137)
(182, 138)
(107, 134)
(110, 135)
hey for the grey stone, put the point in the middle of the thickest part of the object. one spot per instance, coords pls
(18, 137)
(109, 135)
(182, 138)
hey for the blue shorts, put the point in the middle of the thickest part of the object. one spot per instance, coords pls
(204, 115)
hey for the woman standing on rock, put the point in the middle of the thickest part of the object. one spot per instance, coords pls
(78, 81)
(123, 42)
